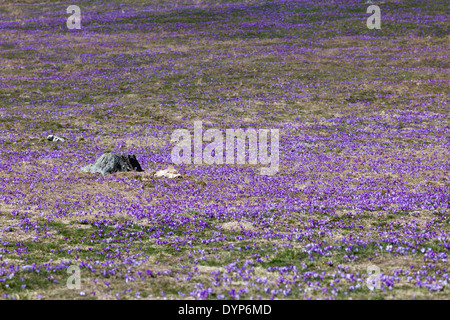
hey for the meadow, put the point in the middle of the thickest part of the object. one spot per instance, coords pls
(362, 192)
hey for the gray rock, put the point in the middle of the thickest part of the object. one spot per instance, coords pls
(55, 138)
(111, 162)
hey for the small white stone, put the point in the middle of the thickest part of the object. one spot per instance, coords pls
(54, 138)
(170, 173)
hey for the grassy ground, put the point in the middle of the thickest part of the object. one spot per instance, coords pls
(364, 170)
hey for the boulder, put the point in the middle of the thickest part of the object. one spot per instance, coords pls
(111, 162)
(170, 173)
(55, 138)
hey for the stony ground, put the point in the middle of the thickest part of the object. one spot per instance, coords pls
(363, 187)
